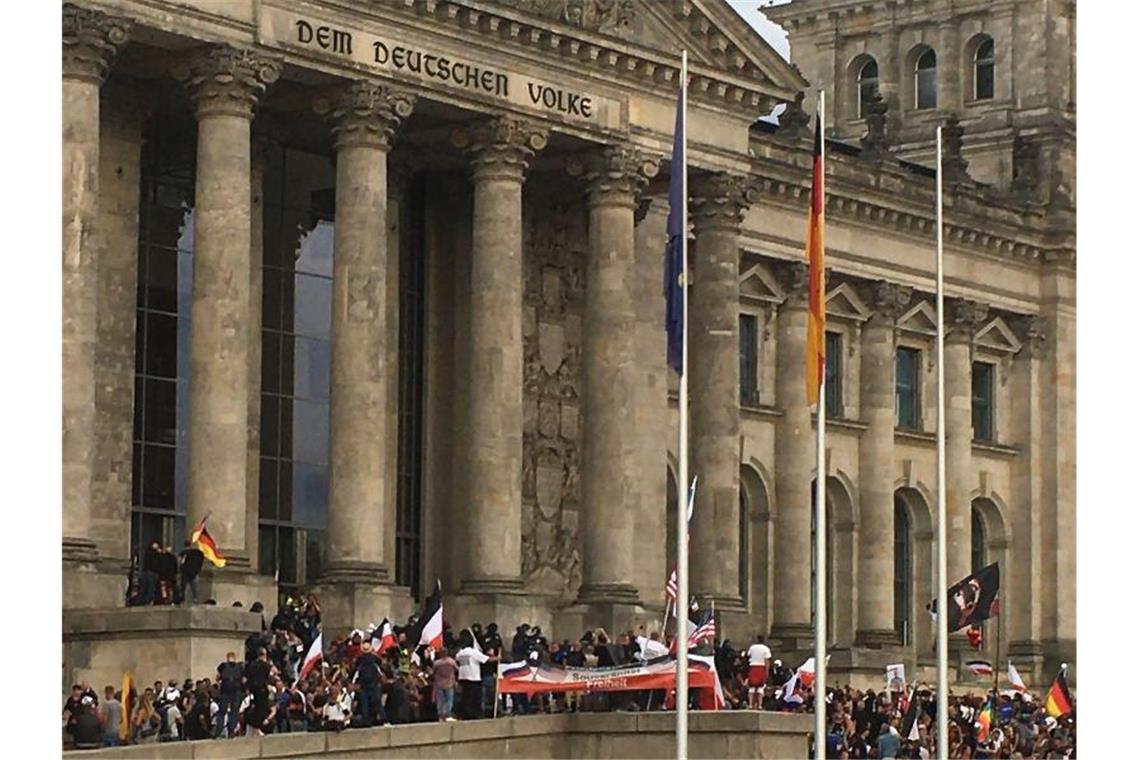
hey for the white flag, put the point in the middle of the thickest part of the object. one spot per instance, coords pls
(312, 658)
(1015, 681)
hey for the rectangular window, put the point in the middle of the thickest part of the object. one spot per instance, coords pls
(833, 376)
(748, 346)
(983, 406)
(907, 363)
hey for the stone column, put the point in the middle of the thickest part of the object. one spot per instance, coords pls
(1026, 573)
(876, 465)
(258, 156)
(714, 383)
(500, 150)
(964, 319)
(364, 118)
(90, 41)
(890, 82)
(949, 66)
(795, 460)
(224, 83)
(614, 175)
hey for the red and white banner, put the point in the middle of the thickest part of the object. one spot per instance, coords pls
(315, 655)
(524, 678)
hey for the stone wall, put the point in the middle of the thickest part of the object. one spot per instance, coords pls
(581, 735)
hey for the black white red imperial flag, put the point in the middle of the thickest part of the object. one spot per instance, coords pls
(972, 599)
(429, 626)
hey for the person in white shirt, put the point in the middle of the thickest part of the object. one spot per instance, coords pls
(336, 717)
(469, 658)
(758, 656)
(651, 648)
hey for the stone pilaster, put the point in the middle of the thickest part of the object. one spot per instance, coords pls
(949, 65)
(890, 77)
(719, 201)
(1024, 575)
(614, 176)
(225, 84)
(500, 150)
(795, 455)
(90, 42)
(258, 156)
(875, 625)
(964, 319)
(120, 154)
(364, 117)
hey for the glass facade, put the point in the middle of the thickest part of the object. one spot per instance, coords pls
(296, 321)
(833, 371)
(983, 400)
(907, 363)
(749, 344)
(162, 337)
(902, 572)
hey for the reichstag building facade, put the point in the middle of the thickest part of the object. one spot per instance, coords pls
(377, 286)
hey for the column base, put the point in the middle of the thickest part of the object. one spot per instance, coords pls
(348, 571)
(607, 593)
(80, 550)
(234, 583)
(503, 601)
(788, 640)
(347, 604)
(90, 585)
(866, 668)
(1058, 651)
(1029, 659)
(876, 639)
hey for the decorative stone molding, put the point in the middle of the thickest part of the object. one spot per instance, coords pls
(719, 201)
(965, 316)
(793, 278)
(365, 113)
(1032, 330)
(1025, 172)
(875, 144)
(954, 164)
(612, 17)
(794, 120)
(887, 300)
(614, 174)
(501, 146)
(228, 80)
(90, 41)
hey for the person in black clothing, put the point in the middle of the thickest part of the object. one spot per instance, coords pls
(229, 695)
(167, 575)
(366, 670)
(86, 731)
(257, 680)
(148, 579)
(198, 721)
(190, 562)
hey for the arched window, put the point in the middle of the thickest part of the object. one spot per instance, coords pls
(977, 541)
(745, 549)
(902, 572)
(830, 622)
(868, 82)
(926, 80)
(984, 70)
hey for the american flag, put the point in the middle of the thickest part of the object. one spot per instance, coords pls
(671, 584)
(705, 629)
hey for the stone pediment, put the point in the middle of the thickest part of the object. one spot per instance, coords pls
(713, 33)
(759, 285)
(844, 303)
(920, 319)
(996, 335)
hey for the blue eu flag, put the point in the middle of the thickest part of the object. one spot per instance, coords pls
(674, 264)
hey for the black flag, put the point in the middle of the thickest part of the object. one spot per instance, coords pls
(910, 720)
(972, 599)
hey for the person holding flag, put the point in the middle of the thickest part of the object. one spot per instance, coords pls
(201, 538)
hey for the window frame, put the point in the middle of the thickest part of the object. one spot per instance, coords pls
(978, 63)
(749, 396)
(989, 433)
(917, 390)
(833, 392)
(904, 575)
(861, 81)
(931, 72)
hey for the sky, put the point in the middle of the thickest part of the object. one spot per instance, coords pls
(750, 11)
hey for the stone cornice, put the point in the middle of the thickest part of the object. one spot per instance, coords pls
(500, 146)
(745, 89)
(889, 196)
(614, 174)
(366, 113)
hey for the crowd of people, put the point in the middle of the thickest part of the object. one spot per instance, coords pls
(163, 577)
(262, 691)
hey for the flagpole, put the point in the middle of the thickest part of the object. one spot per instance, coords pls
(683, 426)
(821, 514)
(943, 617)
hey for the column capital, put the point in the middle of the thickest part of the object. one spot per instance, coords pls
(501, 146)
(1032, 330)
(365, 113)
(719, 201)
(887, 300)
(614, 174)
(793, 278)
(90, 41)
(227, 80)
(966, 317)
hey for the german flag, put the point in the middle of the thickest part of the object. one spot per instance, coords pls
(817, 315)
(205, 543)
(1058, 703)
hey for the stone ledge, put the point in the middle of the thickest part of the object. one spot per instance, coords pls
(157, 621)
